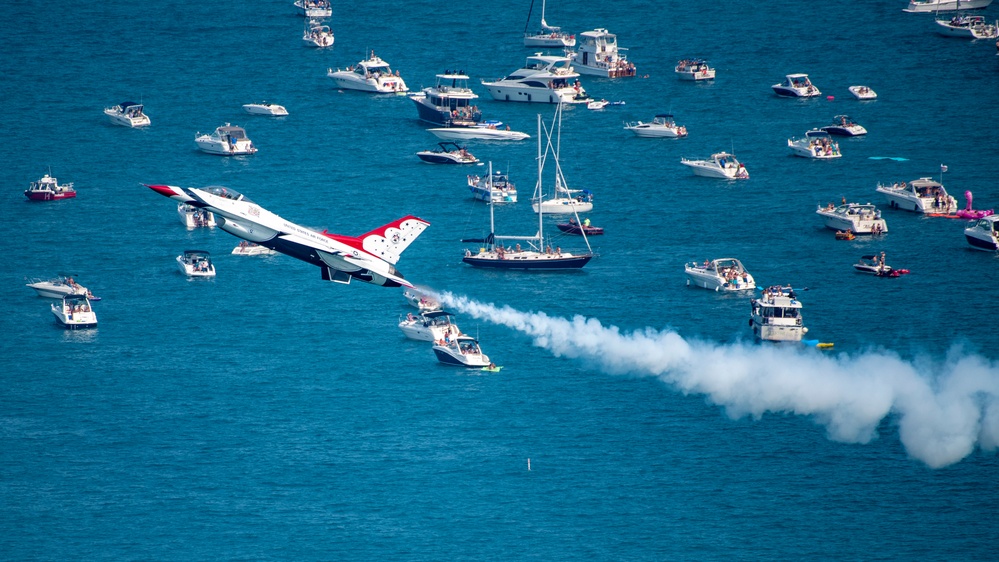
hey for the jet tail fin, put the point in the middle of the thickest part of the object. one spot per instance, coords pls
(389, 241)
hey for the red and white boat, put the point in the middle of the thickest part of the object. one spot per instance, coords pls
(48, 189)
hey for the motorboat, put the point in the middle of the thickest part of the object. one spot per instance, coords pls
(461, 351)
(245, 248)
(776, 315)
(449, 103)
(945, 5)
(723, 274)
(863, 92)
(565, 201)
(815, 144)
(58, 287)
(370, 75)
(480, 131)
(694, 69)
(494, 188)
(542, 79)
(196, 263)
(923, 195)
(193, 217)
(873, 264)
(598, 54)
(597, 104)
(47, 188)
(844, 126)
(573, 227)
(317, 34)
(447, 153)
(721, 165)
(858, 218)
(265, 109)
(74, 312)
(430, 325)
(985, 30)
(227, 140)
(969, 27)
(796, 86)
(127, 114)
(314, 8)
(983, 234)
(421, 298)
(662, 126)
(549, 36)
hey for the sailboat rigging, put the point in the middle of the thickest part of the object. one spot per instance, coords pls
(549, 36)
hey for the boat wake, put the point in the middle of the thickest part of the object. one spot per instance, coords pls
(943, 410)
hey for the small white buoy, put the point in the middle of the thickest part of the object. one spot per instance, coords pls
(528, 464)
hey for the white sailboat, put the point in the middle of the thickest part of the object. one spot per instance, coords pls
(565, 201)
(548, 36)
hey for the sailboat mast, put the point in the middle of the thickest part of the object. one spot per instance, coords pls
(538, 190)
(492, 215)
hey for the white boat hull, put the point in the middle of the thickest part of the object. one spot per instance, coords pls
(477, 133)
(858, 226)
(709, 169)
(805, 150)
(549, 41)
(777, 332)
(448, 356)
(788, 92)
(213, 146)
(645, 130)
(695, 76)
(946, 5)
(862, 94)
(265, 109)
(710, 281)
(72, 320)
(526, 94)
(51, 290)
(126, 121)
(348, 80)
(563, 207)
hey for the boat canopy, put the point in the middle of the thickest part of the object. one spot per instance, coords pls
(436, 314)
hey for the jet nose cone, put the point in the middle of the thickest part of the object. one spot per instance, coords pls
(164, 190)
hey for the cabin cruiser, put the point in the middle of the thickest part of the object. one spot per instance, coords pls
(317, 34)
(776, 315)
(58, 287)
(314, 8)
(662, 126)
(875, 265)
(721, 165)
(481, 131)
(462, 351)
(448, 153)
(196, 263)
(495, 188)
(725, 274)
(193, 217)
(449, 103)
(815, 144)
(128, 114)
(48, 188)
(796, 86)
(863, 93)
(265, 109)
(245, 248)
(74, 312)
(599, 55)
(371, 75)
(971, 27)
(945, 5)
(421, 299)
(844, 126)
(921, 196)
(542, 79)
(227, 140)
(856, 217)
(431, 325)
(694, 69)
(983, 234)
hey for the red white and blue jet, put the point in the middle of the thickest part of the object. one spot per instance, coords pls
(370, 257)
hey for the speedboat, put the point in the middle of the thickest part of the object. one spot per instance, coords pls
(776, 315)
(461, 351)
(245, 248)
(227, 140)
(265, 109)
(371, 75)
(448, 153)
(565, 202)
(694, 69)
(972, 27)
(721, 165)
(599, 55)
(855, 217)
(597, 104)
(573, 227)
(431, 325)
(815, 144)
(58, 287)
(480, 131)
(875, 265)
(449, 103)
(196, 263)
(49, 189)
(74, 312)
(421, 299)
(193, 217)
(945, 5)
(314, 8)
(128, 114)
(725, 274)
(921, 196)
(662, 126)
(542, 79)
(843, 126)
(983, 234)
(495, 188)
(796, 86)
(549, 36)
(863, 92)
(317, 34)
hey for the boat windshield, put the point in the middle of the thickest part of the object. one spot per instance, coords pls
(220, 191)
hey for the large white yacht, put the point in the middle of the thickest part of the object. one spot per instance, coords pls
(227, 140)
(127, 114)
(599, 55)
(370, 75)
(448, 103)
(858, 218)
(724, 274)
(921, 196)
(542, 79)
(776, 315)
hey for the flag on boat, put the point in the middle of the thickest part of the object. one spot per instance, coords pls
(943, 168)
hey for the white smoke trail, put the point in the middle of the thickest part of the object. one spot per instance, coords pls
(944, 411)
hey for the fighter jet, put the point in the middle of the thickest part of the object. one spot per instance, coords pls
(370, 257)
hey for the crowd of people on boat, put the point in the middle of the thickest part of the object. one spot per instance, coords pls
(824, 146)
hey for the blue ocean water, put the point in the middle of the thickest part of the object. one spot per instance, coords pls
(267, 414)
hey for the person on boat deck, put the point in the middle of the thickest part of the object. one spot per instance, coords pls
(586, 222)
